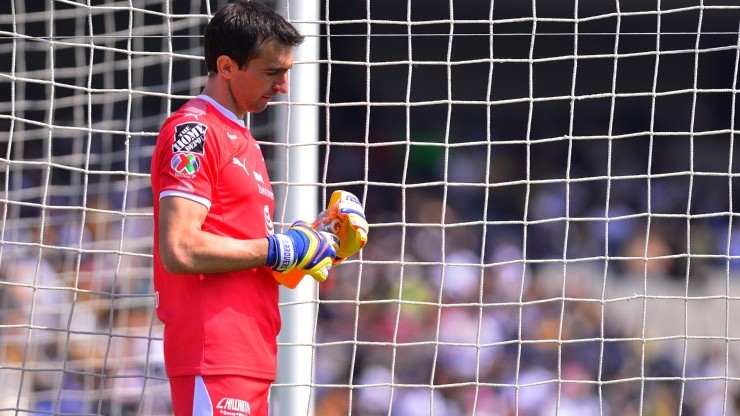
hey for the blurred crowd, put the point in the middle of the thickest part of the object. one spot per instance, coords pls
(76, 313)
(455, 307)
(455, 310)
(519, 298)
(586, 266)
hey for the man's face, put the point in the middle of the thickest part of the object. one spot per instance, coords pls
(264, 77)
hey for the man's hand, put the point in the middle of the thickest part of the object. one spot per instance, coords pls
(302, 250)
(345, 218)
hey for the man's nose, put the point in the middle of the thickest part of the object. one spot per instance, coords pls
(281, 85)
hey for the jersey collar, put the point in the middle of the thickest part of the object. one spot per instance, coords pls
(221, 109)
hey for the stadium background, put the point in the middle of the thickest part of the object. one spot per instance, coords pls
(488, 204)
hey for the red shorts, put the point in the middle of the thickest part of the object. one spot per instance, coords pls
(225, 395)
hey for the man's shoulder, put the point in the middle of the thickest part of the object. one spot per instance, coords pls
(195, 111)
(193, 120)
(186, 129)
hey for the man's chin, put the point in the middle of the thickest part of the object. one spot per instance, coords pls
(261, 105)
(258, 108)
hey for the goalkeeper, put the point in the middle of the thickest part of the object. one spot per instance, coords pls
(217, 259)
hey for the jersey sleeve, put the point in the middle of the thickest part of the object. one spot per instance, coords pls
(188, 162)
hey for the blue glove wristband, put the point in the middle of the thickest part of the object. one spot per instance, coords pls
(283, 250)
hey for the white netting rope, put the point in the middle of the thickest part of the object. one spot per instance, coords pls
(552, 210)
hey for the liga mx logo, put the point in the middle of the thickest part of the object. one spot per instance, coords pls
(185, 164)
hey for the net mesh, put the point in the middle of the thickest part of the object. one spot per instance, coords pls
(550, 188)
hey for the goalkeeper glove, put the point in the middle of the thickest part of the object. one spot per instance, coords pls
(345, 218)
(301, 250)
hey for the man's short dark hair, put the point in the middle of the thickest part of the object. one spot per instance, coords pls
(238, 30)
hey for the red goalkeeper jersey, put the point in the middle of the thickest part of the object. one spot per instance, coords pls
(224, 323)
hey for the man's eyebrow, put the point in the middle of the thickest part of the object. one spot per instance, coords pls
(277, 68)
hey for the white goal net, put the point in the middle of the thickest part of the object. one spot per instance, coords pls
(550, 187)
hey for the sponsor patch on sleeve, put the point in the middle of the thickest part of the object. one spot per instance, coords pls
(185, 164)
(190, 138)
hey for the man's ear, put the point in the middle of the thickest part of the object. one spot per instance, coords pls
(225, 66)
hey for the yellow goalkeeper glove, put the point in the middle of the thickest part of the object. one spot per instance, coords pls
(345, 218)
(299, 251)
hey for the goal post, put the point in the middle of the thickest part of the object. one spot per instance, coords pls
(296, 122)
(550, 187)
